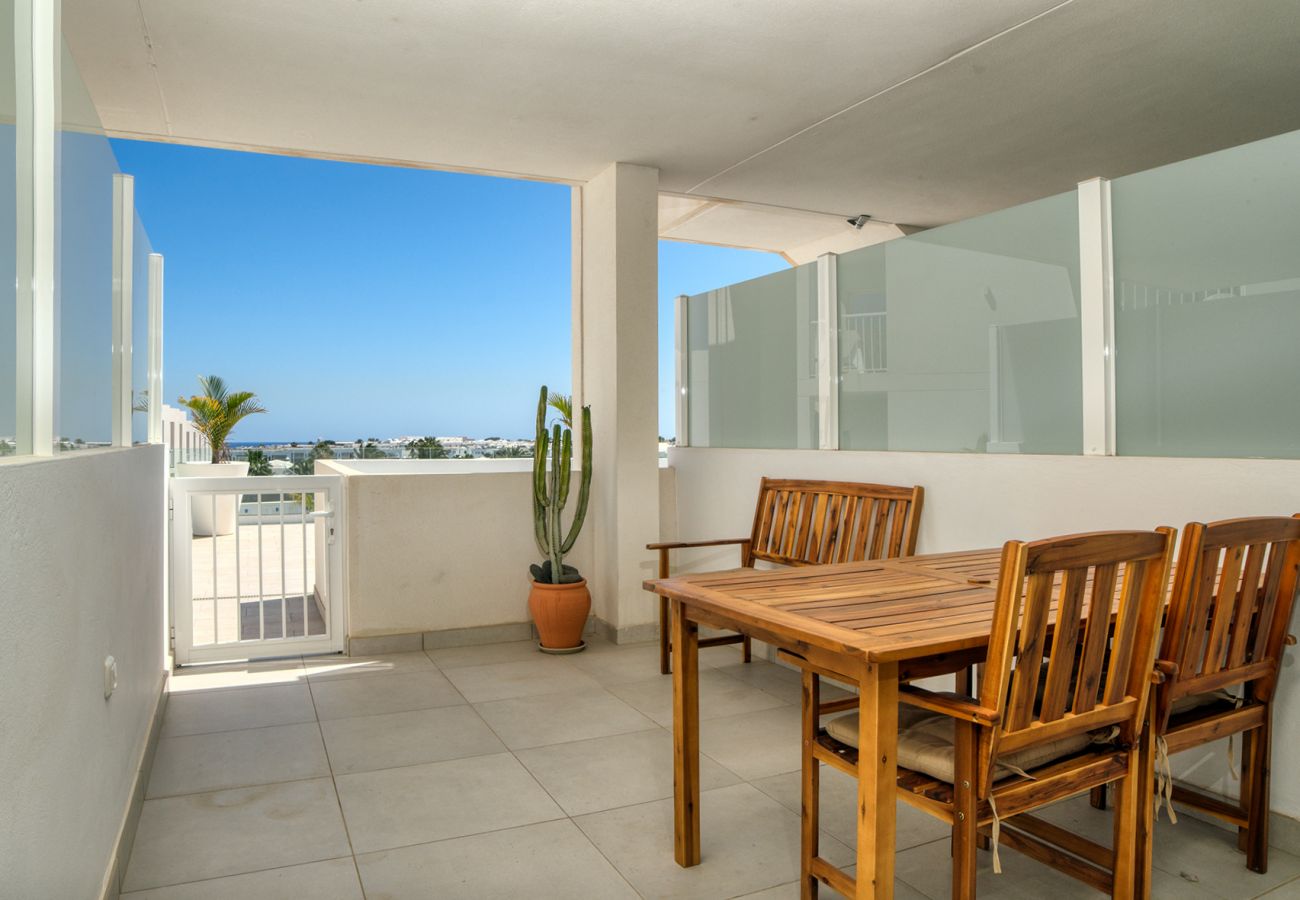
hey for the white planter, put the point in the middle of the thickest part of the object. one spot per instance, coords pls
(227, 505)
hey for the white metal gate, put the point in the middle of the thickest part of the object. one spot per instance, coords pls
(257, 566)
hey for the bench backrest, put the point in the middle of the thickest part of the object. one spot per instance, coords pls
(805, 523)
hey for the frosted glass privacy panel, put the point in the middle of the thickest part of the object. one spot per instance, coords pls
(83, 271)
(8, 238)
(1207, 304)
(140, 398)
(752, 367)
(965, 338)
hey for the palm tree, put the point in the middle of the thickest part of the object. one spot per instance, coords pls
(426, 448)
(217, 411)
(562, 404)
(513, 452)
(258, 464)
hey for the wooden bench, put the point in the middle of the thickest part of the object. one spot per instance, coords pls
(805, 523)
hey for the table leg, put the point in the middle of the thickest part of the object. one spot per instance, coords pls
(877, 777)
(686, 737)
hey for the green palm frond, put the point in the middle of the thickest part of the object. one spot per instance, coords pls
(563, 406)
(217, 411)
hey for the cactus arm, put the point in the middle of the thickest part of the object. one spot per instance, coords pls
(566, 467)
(540, 500)
(553, 527)
(584, 488)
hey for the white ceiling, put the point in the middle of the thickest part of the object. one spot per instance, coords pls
(915, 111)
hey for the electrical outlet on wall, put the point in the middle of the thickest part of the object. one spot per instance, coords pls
(110, 676)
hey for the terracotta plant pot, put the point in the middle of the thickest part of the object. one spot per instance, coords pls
(560, 613)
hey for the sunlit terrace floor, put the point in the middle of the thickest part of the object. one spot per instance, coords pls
(495, 771)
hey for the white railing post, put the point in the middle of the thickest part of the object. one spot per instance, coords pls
(155, 348)
(681, 311)
(1097, 317)
(123, 259)
(828, 354)
(36, 56)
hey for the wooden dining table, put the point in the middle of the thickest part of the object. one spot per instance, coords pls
(874, 623)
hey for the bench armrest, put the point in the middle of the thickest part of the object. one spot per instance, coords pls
(966, 710)
(677, 545)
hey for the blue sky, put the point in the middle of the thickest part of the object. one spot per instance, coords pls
(369, 301)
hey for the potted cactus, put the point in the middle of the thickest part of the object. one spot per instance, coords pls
(559, 600)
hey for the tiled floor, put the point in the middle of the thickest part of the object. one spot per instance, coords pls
(496, 771)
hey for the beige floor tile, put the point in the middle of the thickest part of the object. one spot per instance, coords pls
(779, 681)
(200, 763)
(484, 654)
(236, 675)
(613, 664)
(1289, 890)
(755, 744)
(604, 773)
(417, 804)
(200, 836)
(341, 698)
(232, 709)
(839, 809)
(790, 891)
(333, 668)
(334, 879)
(542, 719)
(365, 743)
(750, 842)
(523, 678)
(548, 860)
(720, 695)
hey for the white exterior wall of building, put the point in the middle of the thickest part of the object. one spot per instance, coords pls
(81, 578)
(434, 545)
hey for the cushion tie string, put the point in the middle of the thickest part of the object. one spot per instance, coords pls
(1164, 781)
(994, 834)
(1232, 764)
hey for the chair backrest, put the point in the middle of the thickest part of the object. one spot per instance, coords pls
(1056, 601)
(804, 523)
(1231, 607)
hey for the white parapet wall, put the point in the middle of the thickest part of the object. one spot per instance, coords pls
(444, 545)
(81, 570)
(981, 500)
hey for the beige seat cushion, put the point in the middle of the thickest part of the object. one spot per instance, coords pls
(925, 744)
(1196, 701)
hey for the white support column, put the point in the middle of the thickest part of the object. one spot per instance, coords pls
(36, 51)
(619, 373)
(681, 346)
(828, 354)
(155, 348)
(123, 288)
(1097, 315)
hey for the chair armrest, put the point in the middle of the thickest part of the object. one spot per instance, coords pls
(677, 545)
(1165, 670)
(965, 710)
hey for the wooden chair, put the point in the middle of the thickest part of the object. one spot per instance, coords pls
(1228, 633)
(983, 765)
(807, 523)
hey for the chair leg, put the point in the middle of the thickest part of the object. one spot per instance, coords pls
(1261, 752)
(964, 826)
(811, 787)
(1097, 797)
(665, 639)
(745, 648)
(1247, 750)
(1127, 802)
(1144, 788)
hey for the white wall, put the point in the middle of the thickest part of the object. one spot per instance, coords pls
(980, 500)
(80, 578)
